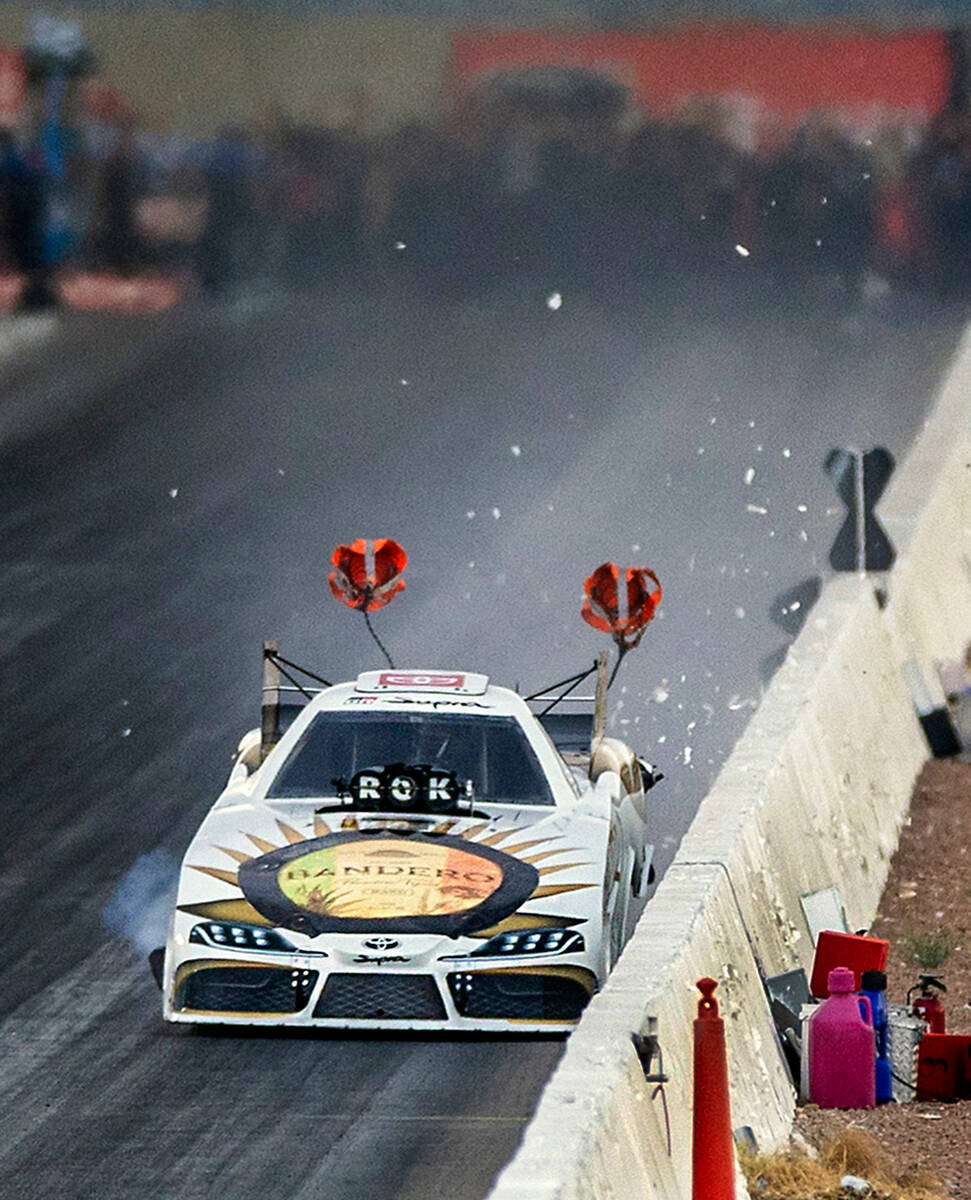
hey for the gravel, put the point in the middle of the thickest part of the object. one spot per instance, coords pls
(926, 903)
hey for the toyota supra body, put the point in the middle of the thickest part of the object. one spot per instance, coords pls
(417, 850)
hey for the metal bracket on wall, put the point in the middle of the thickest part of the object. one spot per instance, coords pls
(647, 1047)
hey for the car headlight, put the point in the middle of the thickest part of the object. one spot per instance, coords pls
(528, 941)
(240, 937)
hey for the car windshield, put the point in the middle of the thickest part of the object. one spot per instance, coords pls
(492, 752)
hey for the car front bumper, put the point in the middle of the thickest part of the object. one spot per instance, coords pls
(459, 995)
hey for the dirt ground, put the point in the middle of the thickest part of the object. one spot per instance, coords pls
(925, 912)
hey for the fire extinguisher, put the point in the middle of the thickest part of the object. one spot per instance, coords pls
(928, 1004)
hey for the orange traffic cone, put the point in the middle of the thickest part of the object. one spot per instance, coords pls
(712, 1147)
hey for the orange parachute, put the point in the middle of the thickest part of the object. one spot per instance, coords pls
(368, 574)
(603, 598)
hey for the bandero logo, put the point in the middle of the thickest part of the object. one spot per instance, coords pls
(408, 679)
(382, 882)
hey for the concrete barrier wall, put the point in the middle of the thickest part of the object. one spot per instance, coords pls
(813, 796)
(927, 512)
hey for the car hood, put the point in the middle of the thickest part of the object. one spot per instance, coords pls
(325, 874)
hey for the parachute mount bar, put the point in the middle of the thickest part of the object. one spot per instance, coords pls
(275, 667)
(600, 700)
(270, 712)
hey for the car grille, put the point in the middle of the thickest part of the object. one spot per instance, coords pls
(517, 997)
(247, 989)
(373, 997)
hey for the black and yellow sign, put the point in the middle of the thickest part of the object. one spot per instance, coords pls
(379, 882)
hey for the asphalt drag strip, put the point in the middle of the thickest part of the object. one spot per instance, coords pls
(177, 502)
(102, 1100)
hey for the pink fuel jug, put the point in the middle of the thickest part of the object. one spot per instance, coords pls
(841, 1047)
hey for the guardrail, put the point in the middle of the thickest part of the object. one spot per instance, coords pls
(813, 796)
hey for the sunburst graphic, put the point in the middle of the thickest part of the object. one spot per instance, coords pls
(417, 880)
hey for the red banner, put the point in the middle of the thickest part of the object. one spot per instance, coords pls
(865, 76)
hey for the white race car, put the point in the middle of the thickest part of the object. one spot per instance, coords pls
(418, 850)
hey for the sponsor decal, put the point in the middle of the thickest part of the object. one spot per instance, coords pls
(399, 786)
(419, 701)
(382, 882)
(410, 679)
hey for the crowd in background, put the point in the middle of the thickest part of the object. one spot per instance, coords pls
(563, 188)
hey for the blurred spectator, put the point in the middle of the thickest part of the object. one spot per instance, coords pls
(650, 204)
(946, 178)
(22, 219)
(319, 178)
(222, 251)
(116, 235)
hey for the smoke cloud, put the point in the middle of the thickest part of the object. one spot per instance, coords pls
(142, 904)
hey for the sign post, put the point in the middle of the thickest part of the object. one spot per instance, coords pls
(860, 479)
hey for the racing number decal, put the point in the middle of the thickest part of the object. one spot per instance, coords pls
(410, 679)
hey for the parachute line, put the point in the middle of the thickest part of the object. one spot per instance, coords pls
(370, 629)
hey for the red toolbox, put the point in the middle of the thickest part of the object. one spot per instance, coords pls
(846, 950)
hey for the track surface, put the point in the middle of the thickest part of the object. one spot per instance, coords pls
(158, 524)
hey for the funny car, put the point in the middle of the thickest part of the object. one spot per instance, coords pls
(416, 849)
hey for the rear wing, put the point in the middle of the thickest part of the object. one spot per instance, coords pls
(570, 725)
(574, 723)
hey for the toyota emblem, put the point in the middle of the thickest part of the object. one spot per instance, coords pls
(381, 943)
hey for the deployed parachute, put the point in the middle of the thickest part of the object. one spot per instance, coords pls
(367, 576)
(622, 611)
